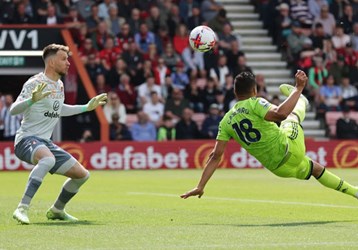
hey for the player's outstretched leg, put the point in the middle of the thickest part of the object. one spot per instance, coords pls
(302, 104)
(330, 180)
(35, 179)
(69, 190)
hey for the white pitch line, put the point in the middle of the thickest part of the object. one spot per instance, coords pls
(250, 200)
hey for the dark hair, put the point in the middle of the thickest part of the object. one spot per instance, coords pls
(244, 83)
(52, 49)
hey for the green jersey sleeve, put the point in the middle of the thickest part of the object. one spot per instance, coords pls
(223, 132)
(261, 106)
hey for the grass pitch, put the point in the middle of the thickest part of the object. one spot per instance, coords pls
(241, 209)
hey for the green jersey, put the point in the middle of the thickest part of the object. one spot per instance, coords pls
(245, 123)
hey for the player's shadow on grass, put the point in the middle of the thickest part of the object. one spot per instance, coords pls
(289, 224)
(69, 224)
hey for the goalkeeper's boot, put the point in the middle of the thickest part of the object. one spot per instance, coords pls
(287, 89)
(61, 215)
(20, 214)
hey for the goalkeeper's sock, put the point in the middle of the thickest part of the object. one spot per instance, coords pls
(70, 188)
(332, 181)
(35, 179)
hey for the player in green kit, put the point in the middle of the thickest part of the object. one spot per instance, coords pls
(251, 123)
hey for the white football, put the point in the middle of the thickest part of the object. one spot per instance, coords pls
(202, 38)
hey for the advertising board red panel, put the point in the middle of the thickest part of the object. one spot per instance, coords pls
(179, 155)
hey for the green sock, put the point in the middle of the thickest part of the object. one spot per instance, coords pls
(300, 109)
(330, 180)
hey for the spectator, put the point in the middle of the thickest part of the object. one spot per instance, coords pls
(318, 36)
(155, 20)
(316, 76)
(110, 54)
(94, 19)
(175, 105)
(338, 69)
(83, 7)
(219, 72)
(186, 128)
(210, 92)
(87, 136)
(340, 39)
(125, 8)
(354, 37)
(282, 24)
(161, 71)
(51, 18)
(327, 20)
(134, 22)
(154, 108)
(11, 122)
(209, 9)
(118, 131)
(295, 41)
(173, 20)
(330, 96)
(100, 36)
(233, 54)
(114, 22)
(114, 106)
(349, 94)
(211, 123)
(329, 53)
(63, 8)
(167, 131)
(186, 8)
(218, 22)
(20, 15)
(241, 66)
(145, 90)
(300, 12)
(114, 75)
(350, 56)
(196, 19)
(41, 11)
(103, 8)
(261, 86)
(353, 75)
(74, 22)
(179, 77)
(127, 94)
(229, 92)
(162, 39)
(180, 40)
(133, 59)
(170, 57)
(144, 38)
(348, 19)
(346, 127)
(226, 38)
(94, 68)
(125, 38)
(194, 62)
(152, 54)
(315, 6)
(143, 130)
(101, 85)
(195, 96)
(86, 49)
(336, 7)
(143, 73)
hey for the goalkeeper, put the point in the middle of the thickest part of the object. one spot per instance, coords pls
(42, 103)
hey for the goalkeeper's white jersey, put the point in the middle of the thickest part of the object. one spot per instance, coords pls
(40, 118)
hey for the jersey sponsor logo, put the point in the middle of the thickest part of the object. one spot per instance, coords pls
(51, 114)
(56, 105)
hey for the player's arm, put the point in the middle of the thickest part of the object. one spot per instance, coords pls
(27, 98)
(68, 110)
(210, 167)
(280, 113)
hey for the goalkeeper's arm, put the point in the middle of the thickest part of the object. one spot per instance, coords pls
(68, 110)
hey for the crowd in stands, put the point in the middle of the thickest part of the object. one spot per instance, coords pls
(138, 52)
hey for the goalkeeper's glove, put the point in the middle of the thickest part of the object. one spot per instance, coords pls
(96, 101)
(38, 94)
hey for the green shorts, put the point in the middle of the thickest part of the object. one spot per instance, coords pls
(296, 164)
